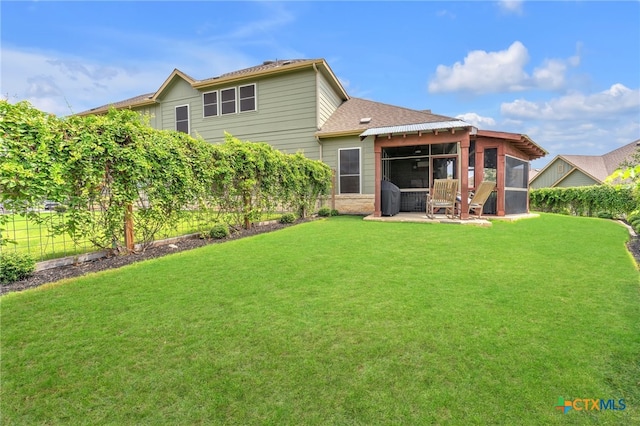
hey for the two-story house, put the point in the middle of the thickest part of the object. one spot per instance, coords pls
(301, 106)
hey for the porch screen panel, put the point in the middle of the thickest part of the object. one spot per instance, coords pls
(490, 173)
(350, 171)
(516, 185)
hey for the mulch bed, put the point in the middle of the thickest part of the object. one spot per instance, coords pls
(51, 275)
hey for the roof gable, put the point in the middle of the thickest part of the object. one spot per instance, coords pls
(266, 69)
(597, 167)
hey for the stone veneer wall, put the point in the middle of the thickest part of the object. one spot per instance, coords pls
(354, 203)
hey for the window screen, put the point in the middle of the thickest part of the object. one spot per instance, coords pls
(349, 171)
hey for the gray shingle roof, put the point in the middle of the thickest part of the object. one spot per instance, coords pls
(600, 166)
(348, 116)
(265, 66)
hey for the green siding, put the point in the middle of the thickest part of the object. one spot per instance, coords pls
(328, 100)
(285, 116)
(548, 177)
(179, 92)
(577, 178)
(330, 147)
(153, 113)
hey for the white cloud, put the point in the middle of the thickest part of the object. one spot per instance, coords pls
(616, 100)
(484, 72)
(511, 6)
(550, 76)
(477, 120)
(65, 85)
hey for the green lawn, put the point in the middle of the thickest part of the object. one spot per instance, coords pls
(338, 321)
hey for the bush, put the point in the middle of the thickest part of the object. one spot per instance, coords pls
(219, 231)
(60, 208)
(334, 212)
(605, 215)
(288, 218)
(15, 266)
(324, 212)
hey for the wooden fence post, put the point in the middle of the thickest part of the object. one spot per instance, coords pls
(333, 189)
(128, 228)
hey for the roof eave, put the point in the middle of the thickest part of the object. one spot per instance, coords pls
(204, 84)
(106, 109)
(341, 133)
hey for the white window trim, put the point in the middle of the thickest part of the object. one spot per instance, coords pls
(255, 98)
(359, 174)
(235, 100)
(188, 117)
(217, 104)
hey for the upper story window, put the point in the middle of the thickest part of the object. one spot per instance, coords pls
(229, 101)
(210, 104)
(182, 118)
(248, 98)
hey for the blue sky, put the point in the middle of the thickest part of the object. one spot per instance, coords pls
(565, 73)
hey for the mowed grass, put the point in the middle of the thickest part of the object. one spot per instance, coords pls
(338, 321)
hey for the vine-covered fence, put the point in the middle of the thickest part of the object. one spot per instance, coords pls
(114, 181)
(607, 200)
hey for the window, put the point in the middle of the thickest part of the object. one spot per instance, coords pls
(349, 164)
(228, 101)
(491, 164)
(182, 118)
(248, 98)
(210, 104)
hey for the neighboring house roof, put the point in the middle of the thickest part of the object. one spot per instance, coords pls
(597, 167)
(265, 69)
(356, 115)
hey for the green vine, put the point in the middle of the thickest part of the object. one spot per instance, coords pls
(98, 166)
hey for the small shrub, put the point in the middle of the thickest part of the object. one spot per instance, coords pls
(15, 266)
(605, 215)
(59, 208)
(288, 218)
(334, 212)
(219, 231)
(324, 212)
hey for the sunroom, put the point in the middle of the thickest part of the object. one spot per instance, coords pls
(412, 157)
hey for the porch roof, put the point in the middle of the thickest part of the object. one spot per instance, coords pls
(522, 142)
(419, 127)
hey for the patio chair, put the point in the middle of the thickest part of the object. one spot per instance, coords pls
(480, 197)
(442, 196)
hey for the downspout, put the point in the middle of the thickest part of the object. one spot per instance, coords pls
(320, 150)
(315, 68)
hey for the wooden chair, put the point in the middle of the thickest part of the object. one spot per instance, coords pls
(480, 197)
(442, 196)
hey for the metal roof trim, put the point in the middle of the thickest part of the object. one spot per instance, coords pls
(407, 128)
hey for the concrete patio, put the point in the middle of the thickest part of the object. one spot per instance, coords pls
(441, 218)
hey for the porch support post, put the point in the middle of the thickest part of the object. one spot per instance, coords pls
(377, 161)
(502, 164)
(464, 176)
